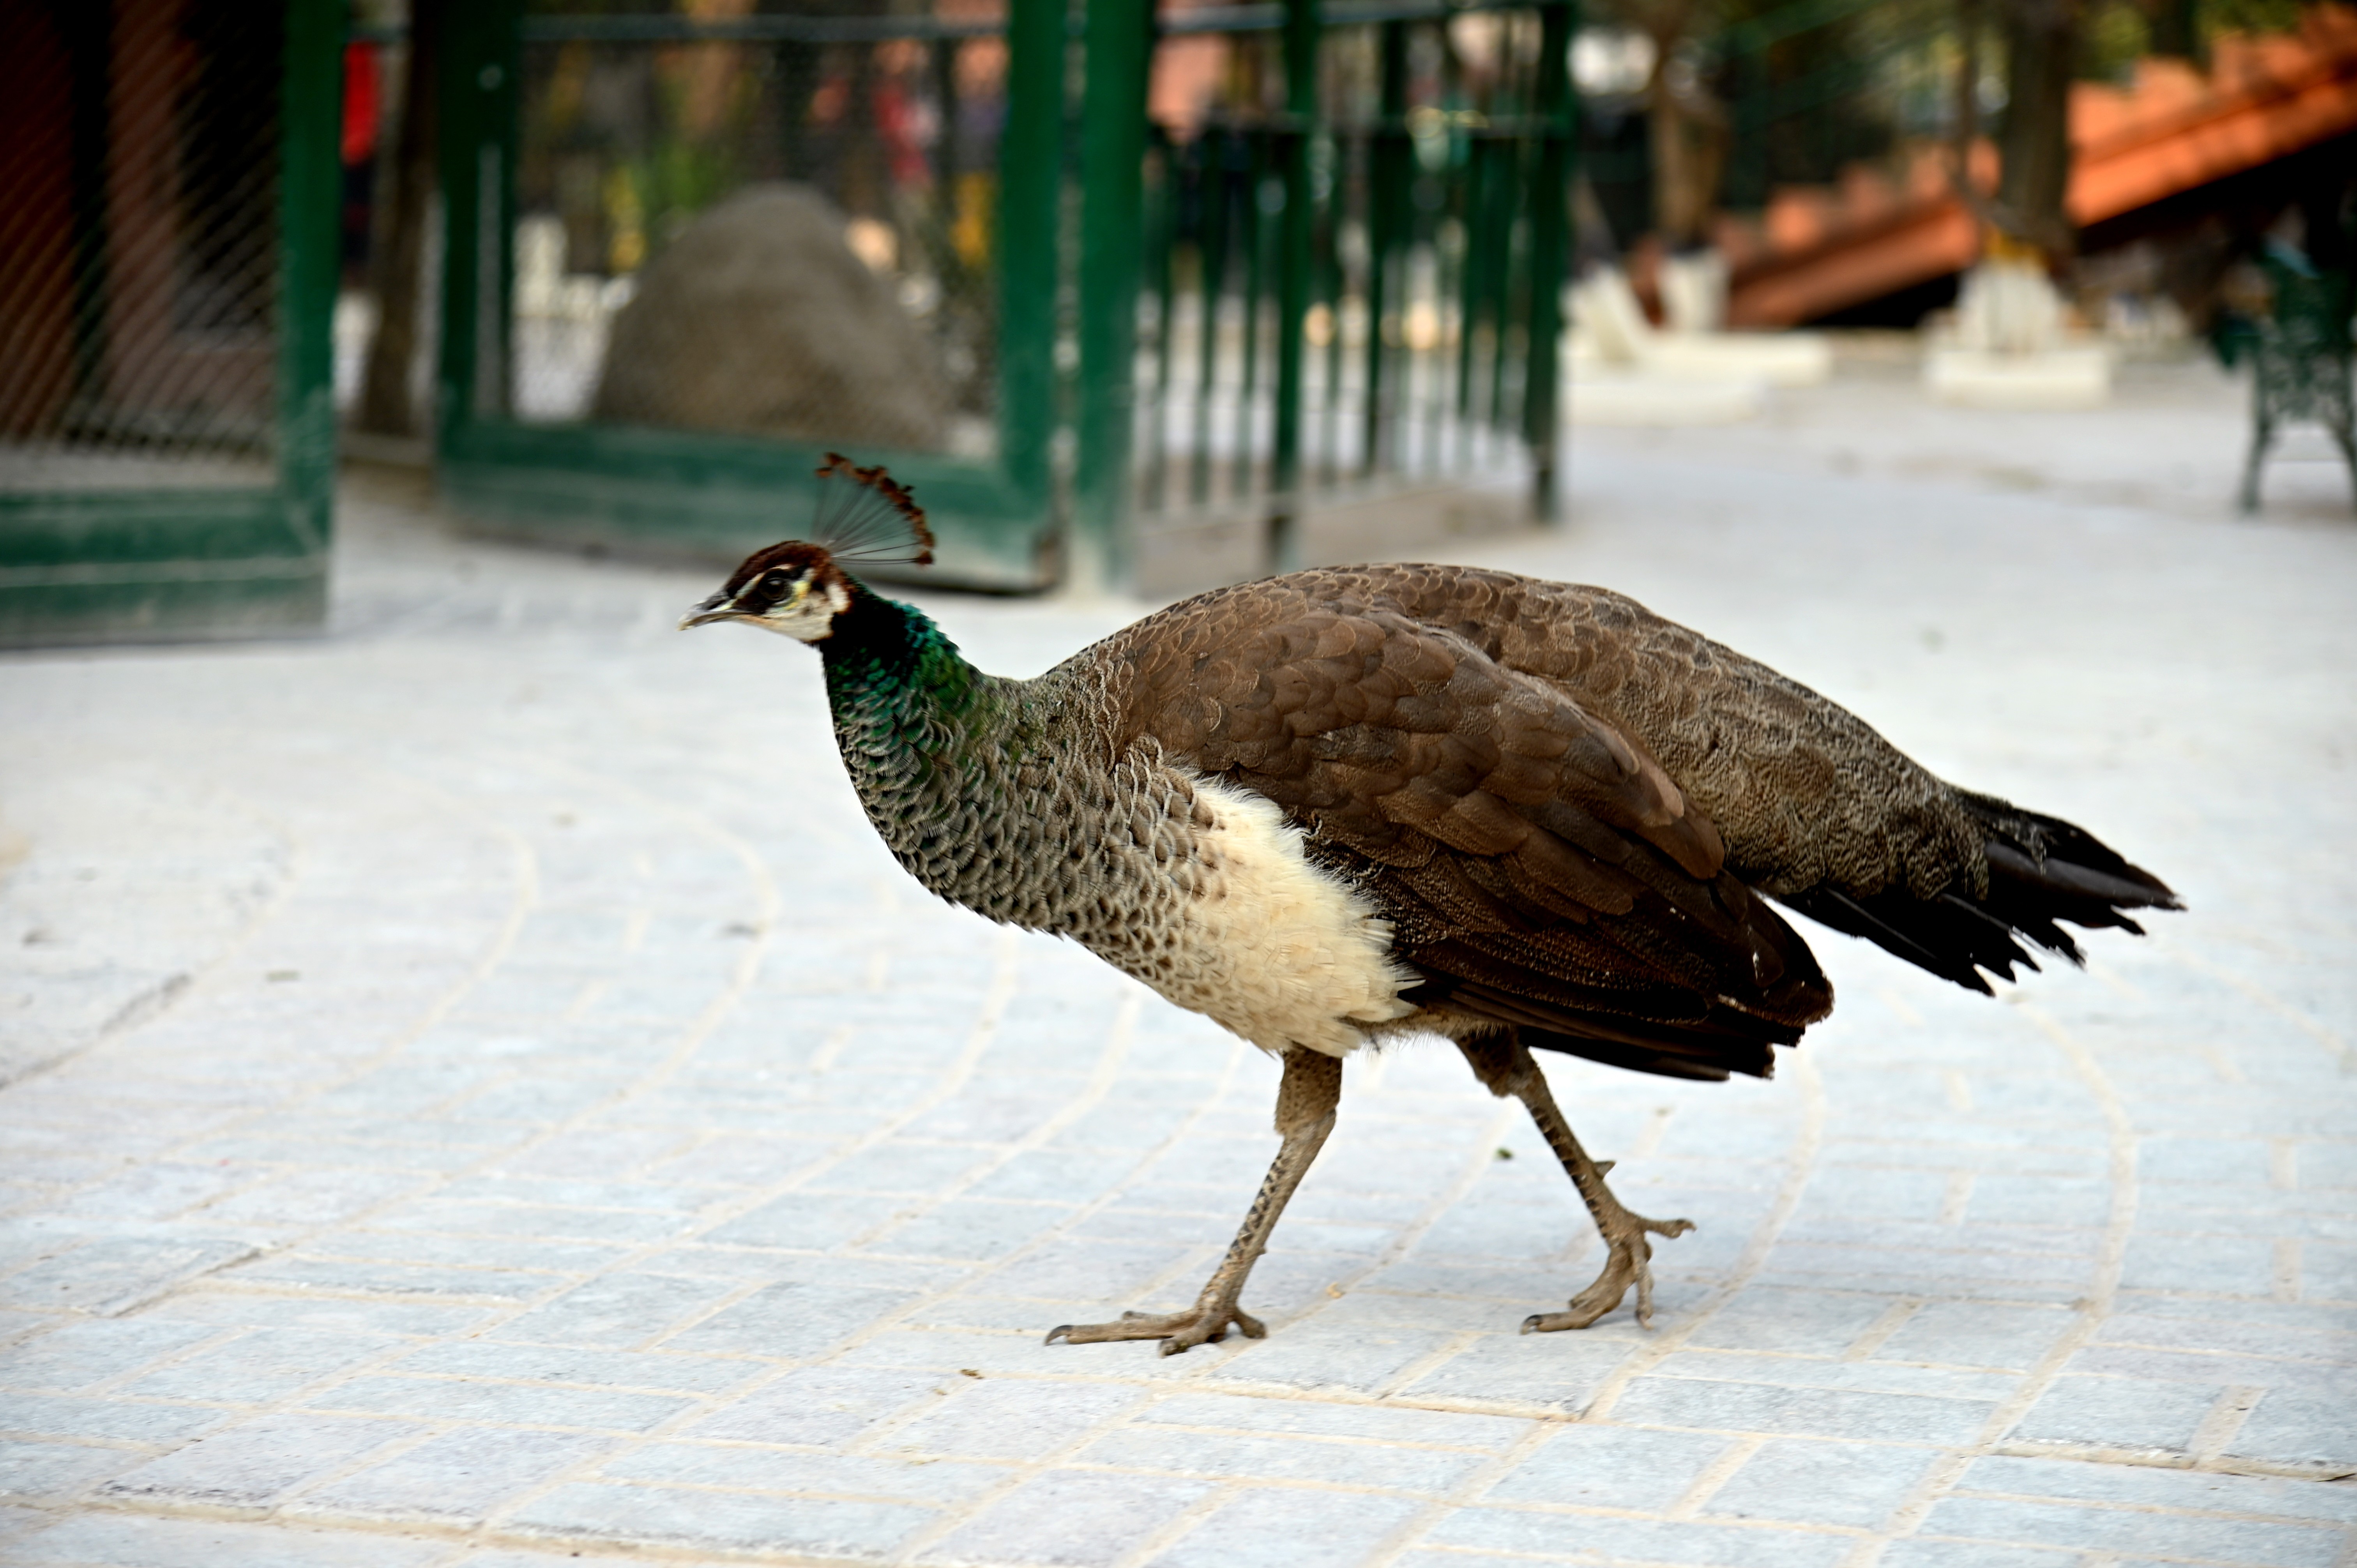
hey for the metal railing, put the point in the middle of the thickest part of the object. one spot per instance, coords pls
(1354, 242)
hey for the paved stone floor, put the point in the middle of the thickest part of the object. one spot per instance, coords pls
(482, 1096)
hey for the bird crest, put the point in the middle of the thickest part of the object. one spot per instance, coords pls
(867, 518)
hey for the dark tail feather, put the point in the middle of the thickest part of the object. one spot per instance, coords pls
(1952, 937)
(1760, 1062)
(2041, 870)
(1718, 1041)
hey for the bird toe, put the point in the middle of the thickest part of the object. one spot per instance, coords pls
(1179, 1331)
(1628, 1264)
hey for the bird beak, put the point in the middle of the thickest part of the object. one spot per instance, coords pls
(716, 607)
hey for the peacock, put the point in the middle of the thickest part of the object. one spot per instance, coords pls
(1345, 806)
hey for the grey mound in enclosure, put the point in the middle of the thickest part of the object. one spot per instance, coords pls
(758, 319)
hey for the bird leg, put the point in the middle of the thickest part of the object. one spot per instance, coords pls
(1305, 1099)
(1503, 1063)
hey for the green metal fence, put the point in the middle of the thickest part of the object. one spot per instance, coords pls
(639, 205)
(1354, 224)
(168, 192)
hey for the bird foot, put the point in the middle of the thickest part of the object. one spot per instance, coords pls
(1179, 1331)
(1629, 1263)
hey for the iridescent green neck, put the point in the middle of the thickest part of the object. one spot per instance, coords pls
(993, 793)
(886, 658)
(928, 741)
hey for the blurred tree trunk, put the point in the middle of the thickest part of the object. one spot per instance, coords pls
(1689, 131)
(2041, 50)
(1685, 125)
(385, 404)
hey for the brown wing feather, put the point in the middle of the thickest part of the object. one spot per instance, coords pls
(1538, 862)
(1803, 791)
(1818, 809)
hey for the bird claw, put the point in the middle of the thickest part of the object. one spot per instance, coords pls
(1179, 1331)
(1629, 1263)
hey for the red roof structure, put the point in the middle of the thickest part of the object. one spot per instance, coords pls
(1820, 250)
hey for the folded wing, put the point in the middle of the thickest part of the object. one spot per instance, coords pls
(1539, 866)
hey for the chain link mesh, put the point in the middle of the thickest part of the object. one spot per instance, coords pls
(139, 171)
(785, 235)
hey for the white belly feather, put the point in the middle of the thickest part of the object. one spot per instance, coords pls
(1271, 947)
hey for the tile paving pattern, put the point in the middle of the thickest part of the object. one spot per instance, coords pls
(482, 1094)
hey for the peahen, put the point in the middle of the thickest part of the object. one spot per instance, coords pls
(1348, 804)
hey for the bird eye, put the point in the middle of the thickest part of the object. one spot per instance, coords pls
(774, 583)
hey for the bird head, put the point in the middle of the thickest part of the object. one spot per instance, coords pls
(798, 588)
(793, 588)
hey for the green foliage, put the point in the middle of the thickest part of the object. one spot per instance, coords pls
(679, 179)
(2216, 16)
(889, 663)
(2112, 36)
(1813, 85)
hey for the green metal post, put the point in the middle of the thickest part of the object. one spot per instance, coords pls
(1448, 275)
(1500, 194)
(1252, 237)
(1389, 172)
(1550, 246)
(1473, 272)
(1212, 288)
(311, 184)
(1331, 288)
(1162, 239)
(482, 59)
(1031, 164)
(459, 119)
(1112, 155)
(1513, 162)
(1302, 27)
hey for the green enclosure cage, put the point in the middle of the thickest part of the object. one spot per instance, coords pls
(168, 193)
(695, 248)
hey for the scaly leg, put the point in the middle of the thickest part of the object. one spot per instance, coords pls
(2262, 432)
(1503, 1063)
(2342, 421)
(1305, 1100)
